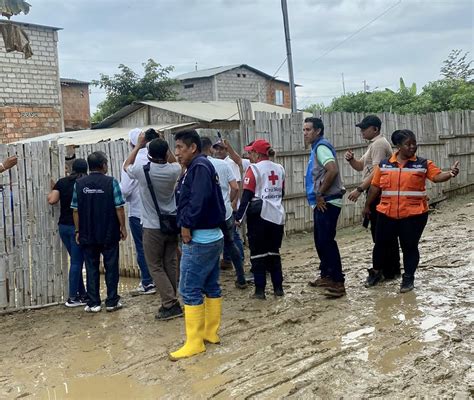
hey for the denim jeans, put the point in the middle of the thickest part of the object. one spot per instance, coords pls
(137, 234)
(228, 229)
(238, 242)
(110, 255)
(326, 246)
(76, 281)
(199, 274)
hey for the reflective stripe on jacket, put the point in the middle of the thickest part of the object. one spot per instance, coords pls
(403, 188)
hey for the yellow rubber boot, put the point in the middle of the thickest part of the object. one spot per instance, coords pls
(213, 319)
(194, 318)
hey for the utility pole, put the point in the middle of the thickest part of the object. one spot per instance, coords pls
(365, 86)
(343, 84)
(286, 24)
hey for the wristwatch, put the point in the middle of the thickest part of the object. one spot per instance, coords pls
(359, 189)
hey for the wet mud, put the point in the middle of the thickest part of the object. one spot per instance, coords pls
(373, 343)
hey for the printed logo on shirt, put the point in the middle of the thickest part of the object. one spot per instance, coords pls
(86, 190)
(247, 180)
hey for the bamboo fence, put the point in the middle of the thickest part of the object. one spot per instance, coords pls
(34, 264)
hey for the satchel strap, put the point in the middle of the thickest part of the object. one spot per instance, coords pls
(146, 169)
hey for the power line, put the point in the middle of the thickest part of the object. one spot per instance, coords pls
(357, 31)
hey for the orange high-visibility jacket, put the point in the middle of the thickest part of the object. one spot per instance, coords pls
(403, 186)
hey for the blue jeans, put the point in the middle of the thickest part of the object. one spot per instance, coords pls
(237, 241)
(228, 229)
(326, 246)
(110, 254)
(199, 274)
(76, 281)
(137, 234)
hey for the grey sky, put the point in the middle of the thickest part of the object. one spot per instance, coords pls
(409, 41)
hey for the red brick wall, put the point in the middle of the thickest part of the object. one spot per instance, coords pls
(272, 86)
(22, 122)
(76, 107)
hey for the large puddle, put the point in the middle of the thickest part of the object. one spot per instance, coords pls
(373, 343)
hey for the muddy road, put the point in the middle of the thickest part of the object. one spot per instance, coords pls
(374, 343)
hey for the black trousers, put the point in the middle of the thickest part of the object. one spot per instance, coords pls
(408, 231)
(392, 264)
(265, 241)
(110, 255)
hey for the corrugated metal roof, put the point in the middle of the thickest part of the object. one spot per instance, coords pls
(207, 73)
(68, 81)
(210, 111)
(123, 112)
(26, 24)
(90, 136)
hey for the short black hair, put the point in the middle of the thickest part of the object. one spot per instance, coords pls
(79, 166)
(189, 137)
(399, 136)
(317, 124)
(151, 134)
(96, 160)
(206, 143)
(158, 148)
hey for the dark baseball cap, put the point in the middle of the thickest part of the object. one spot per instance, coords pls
(370, 120)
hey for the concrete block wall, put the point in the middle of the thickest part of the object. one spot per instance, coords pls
(76, 110)
(34, 80)
(241, 83)
(30, 99)
(201, 90)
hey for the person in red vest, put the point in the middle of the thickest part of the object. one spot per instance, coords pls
(403, 208)
(264, 188)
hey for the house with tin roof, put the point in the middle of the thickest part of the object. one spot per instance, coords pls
(232, 82)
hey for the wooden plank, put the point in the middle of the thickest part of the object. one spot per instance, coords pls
(4, 181)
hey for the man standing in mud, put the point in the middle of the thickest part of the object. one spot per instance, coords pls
(324, 191)
(201, 213)
(99, 219)
(378, 150)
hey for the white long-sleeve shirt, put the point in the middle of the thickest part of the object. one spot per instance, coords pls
(129, 187)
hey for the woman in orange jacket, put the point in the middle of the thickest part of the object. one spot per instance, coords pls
(403, 208)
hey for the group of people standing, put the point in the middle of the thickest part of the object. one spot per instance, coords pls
(185, 209)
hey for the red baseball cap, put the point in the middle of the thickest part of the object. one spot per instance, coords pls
(260, 146)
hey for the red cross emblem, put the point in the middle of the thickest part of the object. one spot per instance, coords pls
(273, 178)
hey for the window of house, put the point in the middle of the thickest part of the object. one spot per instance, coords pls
(189, 86)
(279, 97)
(238, 75)
(244, 75)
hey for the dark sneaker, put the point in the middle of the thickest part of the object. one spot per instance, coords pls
(71, 303)
(165, 314)
(320, 282)
(407, 285)
(259, 294)
(241, 285)
(148, 289)
(226, 265)
(374, 278)
(278, 292)
(117, 306)
(335, 289)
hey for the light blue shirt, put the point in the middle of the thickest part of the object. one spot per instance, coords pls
(205, 236)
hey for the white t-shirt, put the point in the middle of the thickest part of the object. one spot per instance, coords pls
(226, 175)
(235, 168)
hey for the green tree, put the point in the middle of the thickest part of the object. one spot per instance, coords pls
(315, 108)
(127, 86)
(456, 66)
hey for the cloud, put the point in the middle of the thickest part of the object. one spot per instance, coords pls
(410, 40)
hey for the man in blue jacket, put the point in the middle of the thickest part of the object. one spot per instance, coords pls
(201, 211)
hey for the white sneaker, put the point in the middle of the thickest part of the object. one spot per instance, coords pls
(94, 309)
(117, 306)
